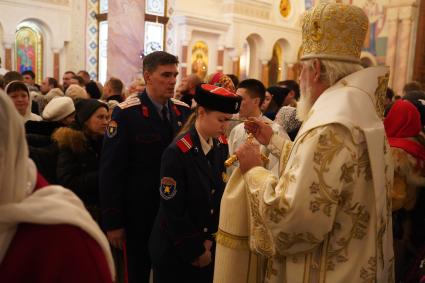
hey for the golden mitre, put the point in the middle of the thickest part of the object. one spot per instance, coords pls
(334, 31)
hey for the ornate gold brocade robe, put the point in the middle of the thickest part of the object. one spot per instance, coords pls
(328, 217)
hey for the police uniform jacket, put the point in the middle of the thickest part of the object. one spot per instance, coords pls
(129, 173)
(192, 184)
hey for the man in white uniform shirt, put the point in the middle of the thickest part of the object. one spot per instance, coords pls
(252, 92)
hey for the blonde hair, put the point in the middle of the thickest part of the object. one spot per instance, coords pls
(332, 71)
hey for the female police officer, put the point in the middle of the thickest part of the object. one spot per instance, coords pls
(192, 183)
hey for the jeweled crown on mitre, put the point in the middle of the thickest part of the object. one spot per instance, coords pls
(334, 31)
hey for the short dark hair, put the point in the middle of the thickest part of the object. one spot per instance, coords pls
(12, 76)
(157, 58)
(53, 82)
(255, 89)
(69, 72)
(84, 72)
(79, 79)
(29, 72)
(411, 86)
(116, 85)
(16, 86)
(292, 85)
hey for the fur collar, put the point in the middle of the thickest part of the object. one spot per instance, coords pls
(70, 138)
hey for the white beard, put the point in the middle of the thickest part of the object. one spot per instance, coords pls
(305, 104)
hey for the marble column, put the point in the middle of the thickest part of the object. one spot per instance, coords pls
(402, 57)
(56, 64)
(392, 16)
(236, 67)
(184, 62)
(290, 72)
(265, 72)
(220, 59)
(8, 57)
(126, 29)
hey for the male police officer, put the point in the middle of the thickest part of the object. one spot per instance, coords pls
(140, 129)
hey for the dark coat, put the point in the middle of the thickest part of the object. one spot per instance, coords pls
(129, 174)
(189, 207)
(78, 165)
(43, 150)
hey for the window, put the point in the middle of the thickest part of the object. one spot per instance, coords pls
(155, 21)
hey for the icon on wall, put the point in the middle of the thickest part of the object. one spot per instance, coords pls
(200, 59)
(285, 8)
(29, 51)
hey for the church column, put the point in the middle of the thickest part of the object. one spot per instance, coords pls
(236, 67)
(392, 16)
(220, 59)
(126, 34)
(8, 57)
(183, 63)
(56, 64)
(403, 48)
(265, 72)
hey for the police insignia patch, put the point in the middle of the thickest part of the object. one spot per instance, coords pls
(167, 189)
(111, 130)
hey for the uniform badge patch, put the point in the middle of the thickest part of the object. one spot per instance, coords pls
(167, 189)
(111, 130)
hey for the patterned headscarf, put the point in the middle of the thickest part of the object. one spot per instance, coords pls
(219, 79)
(287, 118)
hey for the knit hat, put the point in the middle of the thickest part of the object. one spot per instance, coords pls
(85, 108)
(58, 109)
(217, 98)
(279, 94)
(76, 92)
(54, 92)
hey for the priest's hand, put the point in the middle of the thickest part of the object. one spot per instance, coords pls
(249, 156)
(116, 238)
(261, 131)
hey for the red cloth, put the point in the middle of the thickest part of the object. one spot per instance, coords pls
(53, 253)
(402, 122)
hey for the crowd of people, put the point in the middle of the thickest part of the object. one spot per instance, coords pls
(327, 175)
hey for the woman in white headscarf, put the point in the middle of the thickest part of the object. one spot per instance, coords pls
(21, 98)
(46, 235)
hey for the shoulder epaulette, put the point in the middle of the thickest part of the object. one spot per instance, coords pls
(222, 139)
(132, 101)
(185, 143)
(179, 102)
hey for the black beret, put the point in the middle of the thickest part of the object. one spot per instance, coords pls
(85, 108)
(217, 98)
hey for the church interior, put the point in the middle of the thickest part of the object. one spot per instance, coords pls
(256, 39)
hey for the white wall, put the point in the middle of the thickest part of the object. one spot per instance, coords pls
(60, 21)
(228, 23)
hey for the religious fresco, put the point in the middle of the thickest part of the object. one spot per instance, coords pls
(29, 51)
(310, 4)
(200, 59)
(377, 36)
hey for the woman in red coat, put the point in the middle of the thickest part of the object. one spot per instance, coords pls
(46, 234)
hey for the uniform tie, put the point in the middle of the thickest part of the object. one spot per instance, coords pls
(167, 125)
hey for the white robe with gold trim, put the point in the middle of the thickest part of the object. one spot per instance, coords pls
(328, 217)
